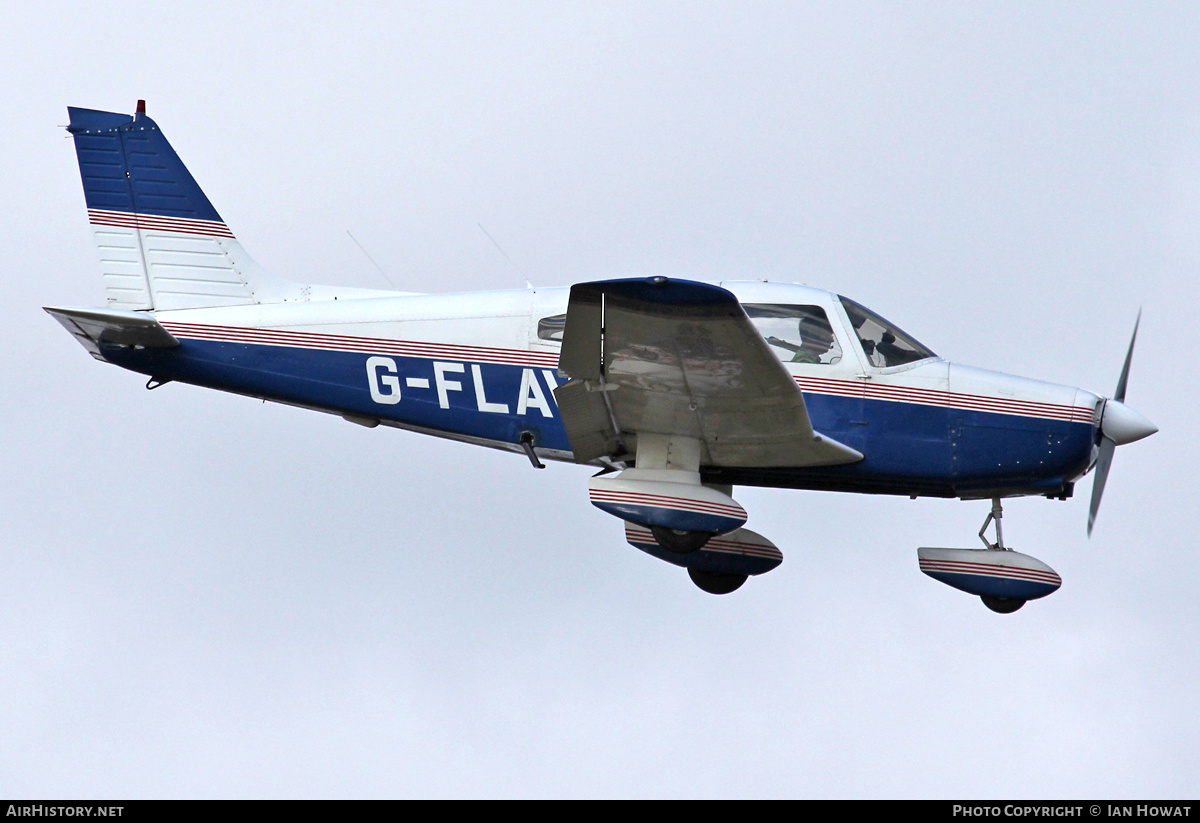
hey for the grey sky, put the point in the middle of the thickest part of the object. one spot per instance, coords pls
(208, 596)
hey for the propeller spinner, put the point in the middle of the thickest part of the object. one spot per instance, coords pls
(1119, 425)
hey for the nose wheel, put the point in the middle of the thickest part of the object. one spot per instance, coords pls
(1002, 578)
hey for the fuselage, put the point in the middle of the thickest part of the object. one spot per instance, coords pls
(482, 368)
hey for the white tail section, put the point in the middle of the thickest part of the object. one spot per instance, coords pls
(150, 262)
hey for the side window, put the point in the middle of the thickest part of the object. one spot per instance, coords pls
(551, 328)
(797, 334)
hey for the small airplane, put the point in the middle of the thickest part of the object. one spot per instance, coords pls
(677, 391)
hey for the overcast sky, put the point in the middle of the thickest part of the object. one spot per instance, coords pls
(203, 595)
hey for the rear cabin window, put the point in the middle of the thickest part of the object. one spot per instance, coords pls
(797, 334)
(884, 343)
(551, 328)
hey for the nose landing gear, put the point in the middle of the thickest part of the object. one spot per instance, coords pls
(1002, 578)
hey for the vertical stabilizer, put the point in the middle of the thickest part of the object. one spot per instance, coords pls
(162, 244)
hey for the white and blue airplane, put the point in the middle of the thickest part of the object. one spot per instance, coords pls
(677, 391)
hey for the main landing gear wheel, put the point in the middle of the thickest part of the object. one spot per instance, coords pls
(717, 582)
(680, 542)
(1002, 605)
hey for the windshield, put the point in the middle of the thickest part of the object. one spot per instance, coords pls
(884, 343)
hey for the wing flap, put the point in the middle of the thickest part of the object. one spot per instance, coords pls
(589, 426)
(676, 357)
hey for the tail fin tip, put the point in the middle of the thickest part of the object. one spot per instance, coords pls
(162, 244)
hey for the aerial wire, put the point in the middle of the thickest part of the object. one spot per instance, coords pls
(524, 276)
(382, 273)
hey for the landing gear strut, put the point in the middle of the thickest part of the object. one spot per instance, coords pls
(1000, 605)
(994, 515)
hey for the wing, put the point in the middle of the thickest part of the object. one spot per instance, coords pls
(676, 357)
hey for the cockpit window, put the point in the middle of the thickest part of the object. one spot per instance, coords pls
(883, 343)
(797, 334)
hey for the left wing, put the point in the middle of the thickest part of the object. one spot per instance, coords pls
(676, 357)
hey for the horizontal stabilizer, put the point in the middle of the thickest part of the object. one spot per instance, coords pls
(117, 327)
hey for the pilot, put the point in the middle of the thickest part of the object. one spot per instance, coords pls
(892, 354)
(875, 358)
(816, 338)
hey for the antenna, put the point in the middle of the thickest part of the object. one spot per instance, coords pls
(506, 257)
(372, 259)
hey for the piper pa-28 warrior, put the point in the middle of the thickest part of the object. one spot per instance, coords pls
(677, 391)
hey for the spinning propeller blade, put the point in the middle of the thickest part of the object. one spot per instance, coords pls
(1119, 394)
(1103, 462)
(1119, 425)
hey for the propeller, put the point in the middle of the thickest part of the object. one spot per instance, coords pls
(1119, 425)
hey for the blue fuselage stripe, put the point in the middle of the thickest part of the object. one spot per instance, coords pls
(922, 445)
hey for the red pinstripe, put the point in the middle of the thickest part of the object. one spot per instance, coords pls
(717, 544)
(662, 501)
(1014, 572)
(183, 225)
(335, 342)
(936, 397)
(404, 348)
